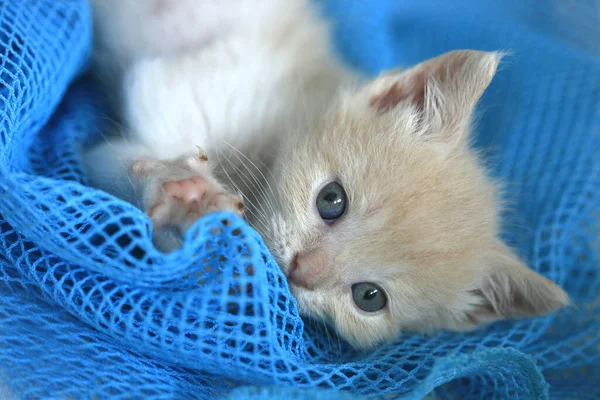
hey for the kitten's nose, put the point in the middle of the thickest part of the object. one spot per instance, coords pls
(295, 275)
(307, 269)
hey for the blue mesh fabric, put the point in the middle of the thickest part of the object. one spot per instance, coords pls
(89, 308)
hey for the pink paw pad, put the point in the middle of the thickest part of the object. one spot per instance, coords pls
(186, 200)
(188, 191)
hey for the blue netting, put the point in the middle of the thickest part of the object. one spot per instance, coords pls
(88, 306)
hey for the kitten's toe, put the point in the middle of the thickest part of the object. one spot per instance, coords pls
(143, 168)
(226, 202)
(159, 214)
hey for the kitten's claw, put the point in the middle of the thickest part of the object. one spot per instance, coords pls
(178, 192)
(202, 156)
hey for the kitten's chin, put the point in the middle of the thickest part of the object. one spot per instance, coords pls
(303, 298)
(298, 292)
(284, 263)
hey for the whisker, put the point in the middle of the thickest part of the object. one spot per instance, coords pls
(329, 341)
(262, 196)
(254, 165)
(238, 189)
(249, 188)
(267, 201)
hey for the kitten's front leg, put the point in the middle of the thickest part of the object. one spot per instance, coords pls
(176, 193)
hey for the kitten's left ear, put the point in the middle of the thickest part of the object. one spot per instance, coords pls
(510, 289)
(445, 88)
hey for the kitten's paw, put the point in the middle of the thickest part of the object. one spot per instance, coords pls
(178, 192)
(181, 202)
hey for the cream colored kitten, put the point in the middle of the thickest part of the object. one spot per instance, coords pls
(385, 219)
(380, 215)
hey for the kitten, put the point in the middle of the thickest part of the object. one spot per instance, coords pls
(378, 212)
(385, 221)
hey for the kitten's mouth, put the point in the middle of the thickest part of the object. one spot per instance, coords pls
(293, 265)
(287, 268)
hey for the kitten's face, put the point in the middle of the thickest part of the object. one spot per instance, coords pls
(385, 220)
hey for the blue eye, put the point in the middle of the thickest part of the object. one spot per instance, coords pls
(331, 202)
(368, 296)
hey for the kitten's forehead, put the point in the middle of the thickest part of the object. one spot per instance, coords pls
(356, 140)
(404, 193)
(412, 199)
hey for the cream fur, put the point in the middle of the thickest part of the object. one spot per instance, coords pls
(422, 220)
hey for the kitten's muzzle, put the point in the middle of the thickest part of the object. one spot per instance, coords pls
(307, 270)
(295, 275)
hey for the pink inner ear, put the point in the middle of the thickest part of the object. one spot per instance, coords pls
(412, 83)
(389, 98)
(413, 89)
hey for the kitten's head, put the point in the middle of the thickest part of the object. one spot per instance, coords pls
(385, 221)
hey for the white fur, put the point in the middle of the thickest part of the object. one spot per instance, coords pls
(261, 74)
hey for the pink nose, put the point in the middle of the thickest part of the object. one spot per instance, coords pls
(295, 274)
(307, 269)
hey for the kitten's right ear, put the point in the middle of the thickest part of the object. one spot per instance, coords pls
(511, 290)
(445, 89)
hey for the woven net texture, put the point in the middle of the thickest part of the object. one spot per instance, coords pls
(89, 308)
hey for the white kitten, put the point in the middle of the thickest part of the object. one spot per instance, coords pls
(248, 82)
(379, 213)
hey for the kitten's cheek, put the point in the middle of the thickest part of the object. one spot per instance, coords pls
(303, 303)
